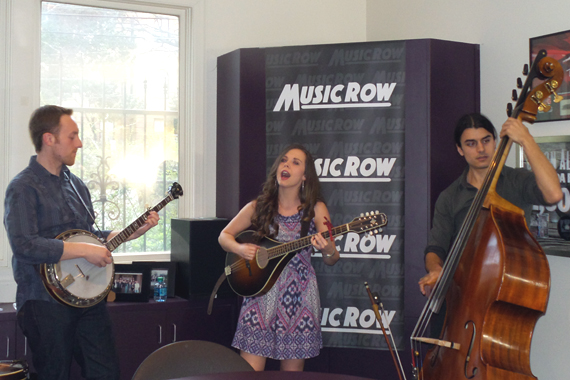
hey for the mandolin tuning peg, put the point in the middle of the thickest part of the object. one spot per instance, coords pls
(509, 109)
(519, 83)
(515, 96)
(525, 69)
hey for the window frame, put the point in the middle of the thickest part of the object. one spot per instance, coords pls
(20, 86)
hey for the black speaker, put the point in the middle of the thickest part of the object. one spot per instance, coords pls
(199, 258)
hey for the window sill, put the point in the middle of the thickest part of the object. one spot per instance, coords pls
(128, 258)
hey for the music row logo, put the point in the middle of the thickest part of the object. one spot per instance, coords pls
(353, 169)
(353, 95)
(353, 320)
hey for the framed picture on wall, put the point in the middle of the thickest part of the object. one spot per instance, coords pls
(557, 46)
(166, 270)
(544, 222)
(131, 283)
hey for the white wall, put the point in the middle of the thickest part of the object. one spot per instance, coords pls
(502, 29)
(232, 25)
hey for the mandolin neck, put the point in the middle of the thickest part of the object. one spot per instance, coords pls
(304, 242)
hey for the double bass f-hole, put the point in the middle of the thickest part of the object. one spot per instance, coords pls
(468, 358)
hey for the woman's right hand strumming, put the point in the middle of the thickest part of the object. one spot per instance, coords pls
(247, 251)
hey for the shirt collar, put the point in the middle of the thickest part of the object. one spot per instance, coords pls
(463, 180)
(466, 184)
(42, 172)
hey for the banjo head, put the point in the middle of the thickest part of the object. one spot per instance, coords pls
(13, 369)
(77, 282)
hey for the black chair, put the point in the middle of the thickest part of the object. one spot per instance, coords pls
(188, 358)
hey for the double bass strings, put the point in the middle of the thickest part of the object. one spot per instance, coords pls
(437, 296)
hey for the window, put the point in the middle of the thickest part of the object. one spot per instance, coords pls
(119, 71)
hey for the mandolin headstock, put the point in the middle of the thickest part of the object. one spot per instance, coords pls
(372, 221)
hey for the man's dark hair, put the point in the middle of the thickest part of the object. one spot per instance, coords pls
(472, 120)
(46, 119)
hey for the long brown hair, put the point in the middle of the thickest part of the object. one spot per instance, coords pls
(267, 206)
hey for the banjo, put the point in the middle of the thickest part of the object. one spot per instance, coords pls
(77, 282)
(13, 370)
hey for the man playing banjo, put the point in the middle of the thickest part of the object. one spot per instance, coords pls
(43, 201)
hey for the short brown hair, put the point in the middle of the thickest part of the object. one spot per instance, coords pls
(46, 119)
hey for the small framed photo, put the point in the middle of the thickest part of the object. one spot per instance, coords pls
(131, 283)
(557, 46)
(557, 150)
(164, 269)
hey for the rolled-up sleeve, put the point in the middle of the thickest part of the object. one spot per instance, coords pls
(442, 230)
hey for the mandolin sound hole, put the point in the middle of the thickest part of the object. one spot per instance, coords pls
(262, 257)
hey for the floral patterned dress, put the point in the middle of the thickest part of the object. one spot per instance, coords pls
(285, 322)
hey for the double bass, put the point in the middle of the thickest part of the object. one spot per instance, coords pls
(496, 279)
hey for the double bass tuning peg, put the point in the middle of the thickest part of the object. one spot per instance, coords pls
(515, 96)
(552, 86)
(538, 97)
(525, 69)
(509, 109)
(519, 83)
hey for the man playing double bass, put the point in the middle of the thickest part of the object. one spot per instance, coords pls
(475, 140)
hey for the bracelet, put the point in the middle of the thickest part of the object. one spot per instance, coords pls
(331, 255)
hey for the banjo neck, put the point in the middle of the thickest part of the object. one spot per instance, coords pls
(126, 233)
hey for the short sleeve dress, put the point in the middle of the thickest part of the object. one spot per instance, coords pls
(285, 322)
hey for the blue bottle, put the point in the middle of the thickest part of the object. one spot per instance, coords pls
(160, 293)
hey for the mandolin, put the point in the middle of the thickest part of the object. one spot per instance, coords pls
(249, 278)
